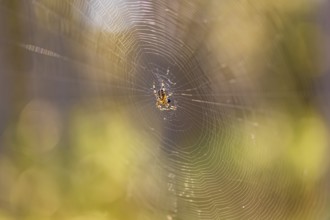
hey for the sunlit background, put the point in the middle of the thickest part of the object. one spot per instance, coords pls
(81, 137)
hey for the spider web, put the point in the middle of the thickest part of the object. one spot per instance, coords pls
(115, 50)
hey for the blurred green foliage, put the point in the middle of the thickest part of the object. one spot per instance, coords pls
(98, 164)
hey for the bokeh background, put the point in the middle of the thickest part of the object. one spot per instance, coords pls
(82, 139)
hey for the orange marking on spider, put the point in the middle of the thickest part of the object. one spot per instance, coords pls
(163, 101)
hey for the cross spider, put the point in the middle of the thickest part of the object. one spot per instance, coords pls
(162, 98)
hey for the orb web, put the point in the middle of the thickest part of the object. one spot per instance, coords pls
(120, 48)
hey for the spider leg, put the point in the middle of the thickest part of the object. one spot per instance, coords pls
(173, 107)
(163, 86)
(155, 91)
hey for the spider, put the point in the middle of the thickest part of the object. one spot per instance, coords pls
(162, 98)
